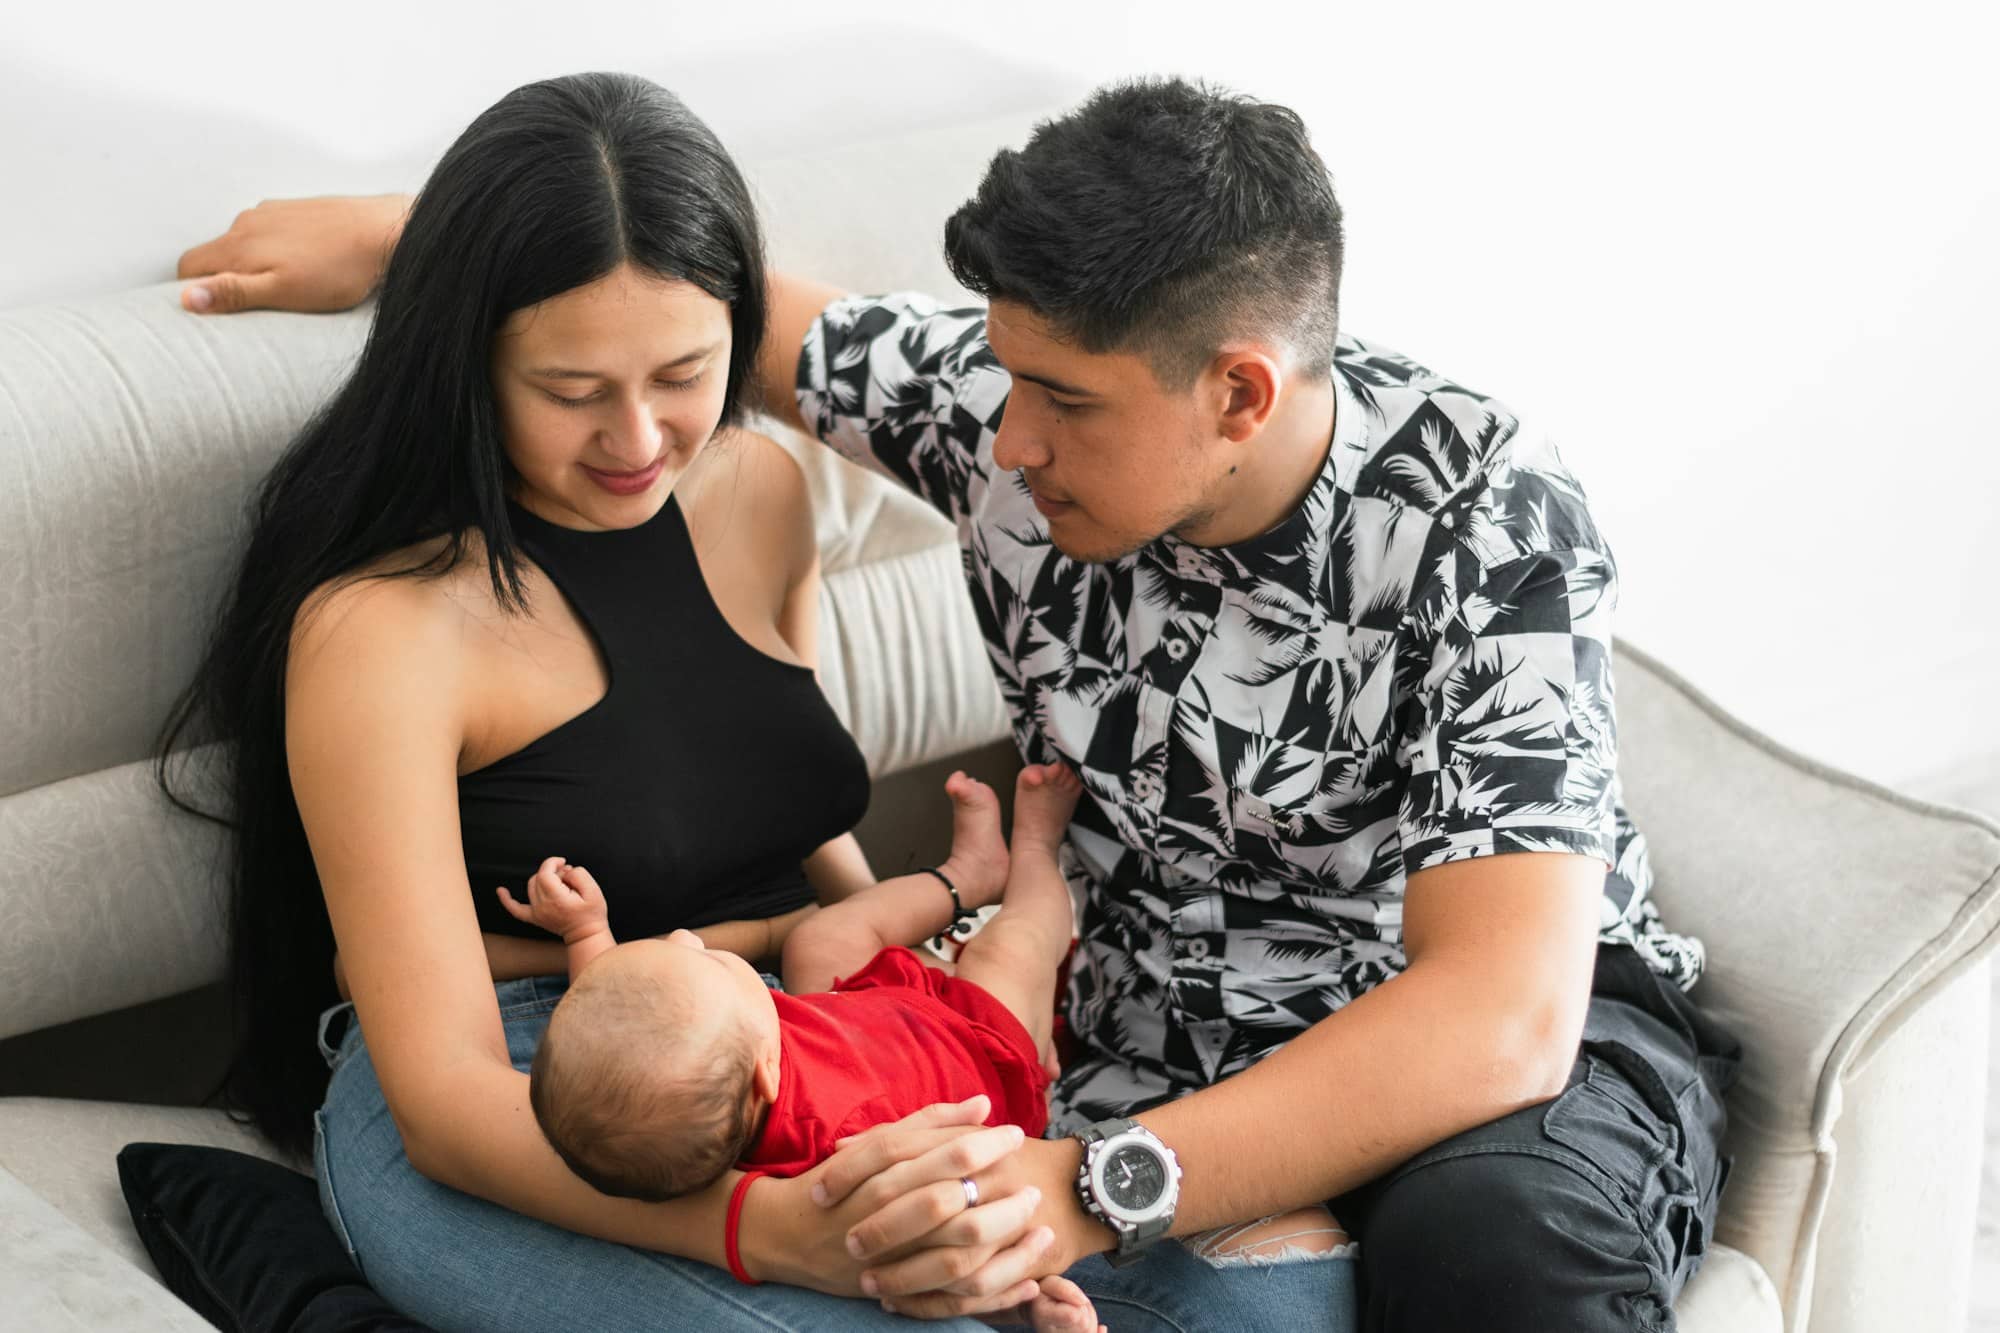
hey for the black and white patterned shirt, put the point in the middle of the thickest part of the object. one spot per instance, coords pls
(1412, 668)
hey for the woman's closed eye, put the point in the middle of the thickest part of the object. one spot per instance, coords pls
(588, 399)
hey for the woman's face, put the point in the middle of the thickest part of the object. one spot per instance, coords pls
(607, 392)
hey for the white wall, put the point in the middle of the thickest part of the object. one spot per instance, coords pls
(1739, 259)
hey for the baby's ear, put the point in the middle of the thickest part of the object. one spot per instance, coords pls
(765, 1076)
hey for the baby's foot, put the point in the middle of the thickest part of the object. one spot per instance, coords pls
(1045, 797)
(977, 865)
(1061, 1307)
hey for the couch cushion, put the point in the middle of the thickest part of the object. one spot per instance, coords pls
(67, 1152)
(1730, 1294)
(54, 1278)
(243, 1241)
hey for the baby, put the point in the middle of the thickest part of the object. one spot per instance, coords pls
(666, 1063)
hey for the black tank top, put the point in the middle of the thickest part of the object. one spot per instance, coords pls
(695, 787)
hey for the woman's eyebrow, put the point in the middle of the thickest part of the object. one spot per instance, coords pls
(566, 373)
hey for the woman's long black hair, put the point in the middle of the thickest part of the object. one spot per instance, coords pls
(550, 189)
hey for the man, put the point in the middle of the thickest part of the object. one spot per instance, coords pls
(1328, 638)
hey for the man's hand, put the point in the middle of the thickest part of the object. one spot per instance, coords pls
(295, 254)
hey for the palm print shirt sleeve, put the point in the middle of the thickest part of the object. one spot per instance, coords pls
(904, 387)
(1508, 737)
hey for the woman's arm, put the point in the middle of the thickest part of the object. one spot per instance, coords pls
(374, 724)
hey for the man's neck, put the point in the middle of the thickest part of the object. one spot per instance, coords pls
(1276, 473)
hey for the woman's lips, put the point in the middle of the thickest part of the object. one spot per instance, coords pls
(626, 483)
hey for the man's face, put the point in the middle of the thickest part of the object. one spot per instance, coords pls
(1113, 459)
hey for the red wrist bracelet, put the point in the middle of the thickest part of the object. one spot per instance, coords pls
(729, 1226)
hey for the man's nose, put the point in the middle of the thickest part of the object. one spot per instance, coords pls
(1015, 448)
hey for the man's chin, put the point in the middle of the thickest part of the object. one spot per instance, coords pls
(1095, 548)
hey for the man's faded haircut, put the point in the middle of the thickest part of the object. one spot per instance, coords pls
(1162, 218)
(628, 1101)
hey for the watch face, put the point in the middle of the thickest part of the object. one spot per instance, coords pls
(1134, 1177)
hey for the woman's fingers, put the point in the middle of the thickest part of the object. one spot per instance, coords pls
(937, 1215)
(1009, 1278)
(966, 1154)
(861, 1157)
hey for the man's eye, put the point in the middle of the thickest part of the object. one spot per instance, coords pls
(1059, 407)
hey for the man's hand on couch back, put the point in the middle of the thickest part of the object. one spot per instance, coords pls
(295, 254)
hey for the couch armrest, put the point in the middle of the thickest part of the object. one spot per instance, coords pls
(1834, 912)
(55, 1278)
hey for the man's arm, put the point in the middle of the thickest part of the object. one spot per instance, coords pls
(1485, 1019)
(795, 303)
(295, 254)
(329, 253)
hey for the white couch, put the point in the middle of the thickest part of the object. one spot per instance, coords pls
(1847, 925)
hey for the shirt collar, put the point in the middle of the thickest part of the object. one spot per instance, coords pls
(1289, 558)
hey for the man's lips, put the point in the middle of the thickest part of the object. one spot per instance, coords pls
(1046, 503)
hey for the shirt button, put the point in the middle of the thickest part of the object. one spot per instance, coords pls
(1449, 520)
(1197, 947)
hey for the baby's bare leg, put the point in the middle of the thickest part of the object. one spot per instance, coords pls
(1015, 956)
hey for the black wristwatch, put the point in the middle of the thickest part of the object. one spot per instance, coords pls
(1130, 1181)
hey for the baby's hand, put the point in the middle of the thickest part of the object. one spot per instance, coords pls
(562, 899)
(1061, 1307)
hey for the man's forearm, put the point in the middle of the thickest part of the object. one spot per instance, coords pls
(1418, 1059)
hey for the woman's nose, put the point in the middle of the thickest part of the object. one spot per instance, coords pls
(638, 436)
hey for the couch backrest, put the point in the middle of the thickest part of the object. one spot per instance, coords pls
(131, 436)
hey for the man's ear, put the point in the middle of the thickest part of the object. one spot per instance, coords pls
(1247, 379)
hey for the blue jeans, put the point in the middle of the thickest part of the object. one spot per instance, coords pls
(457, 1262)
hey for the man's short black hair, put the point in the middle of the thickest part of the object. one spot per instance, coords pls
(1161, 217)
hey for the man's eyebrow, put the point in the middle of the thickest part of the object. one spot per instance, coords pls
(565, 373)
(1053, 385)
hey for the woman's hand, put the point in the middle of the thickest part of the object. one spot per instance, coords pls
(924, 1251)
(803, 1231)
(295, 254)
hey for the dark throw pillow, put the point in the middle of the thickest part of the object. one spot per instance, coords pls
(243, 1241)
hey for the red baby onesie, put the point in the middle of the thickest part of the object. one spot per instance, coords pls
(891, 1039)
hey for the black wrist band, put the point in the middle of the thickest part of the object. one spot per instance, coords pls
(960, 913)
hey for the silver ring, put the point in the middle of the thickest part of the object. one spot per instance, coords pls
(971, 1191)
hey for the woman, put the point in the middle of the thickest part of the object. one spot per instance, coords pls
(525, 585)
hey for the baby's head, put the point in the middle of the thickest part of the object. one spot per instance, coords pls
(657, 1067)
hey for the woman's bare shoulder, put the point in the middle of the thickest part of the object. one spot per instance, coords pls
(408, 604)
(748, 483)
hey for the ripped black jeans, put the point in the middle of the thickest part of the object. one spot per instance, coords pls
(1583, 1213)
